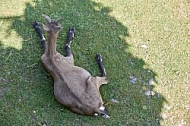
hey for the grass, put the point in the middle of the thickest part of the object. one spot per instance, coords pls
(141, 39)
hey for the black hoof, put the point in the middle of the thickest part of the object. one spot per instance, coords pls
(99, 57)
(36, 25)
(72, 32)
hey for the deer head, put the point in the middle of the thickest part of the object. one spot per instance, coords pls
(52, 26)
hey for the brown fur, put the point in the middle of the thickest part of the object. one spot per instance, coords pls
(74, 87)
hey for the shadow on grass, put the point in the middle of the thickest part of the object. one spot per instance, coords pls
(29, 99)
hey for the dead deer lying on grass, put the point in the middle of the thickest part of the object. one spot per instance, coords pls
(74, 87)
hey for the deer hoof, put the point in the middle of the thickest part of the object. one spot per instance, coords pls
(72, 32)
(36, 25)
(99, 56)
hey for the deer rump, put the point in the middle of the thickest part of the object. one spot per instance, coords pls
(74, 87)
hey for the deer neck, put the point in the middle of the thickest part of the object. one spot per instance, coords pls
(51, 41)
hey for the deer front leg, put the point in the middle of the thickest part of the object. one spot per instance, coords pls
(36, 25)
(68, 44)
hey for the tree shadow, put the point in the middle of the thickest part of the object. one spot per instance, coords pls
(31, 90)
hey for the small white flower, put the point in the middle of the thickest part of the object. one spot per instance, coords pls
(149, 93)
(144, 46)
(167, 107)
(114, 100)
(151, 81)
(19, 99)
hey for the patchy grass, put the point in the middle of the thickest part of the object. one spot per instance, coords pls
(140, 41)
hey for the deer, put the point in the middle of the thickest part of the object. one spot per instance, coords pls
(74, 87)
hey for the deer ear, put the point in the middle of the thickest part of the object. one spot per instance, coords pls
(46, 28)
(48, 19)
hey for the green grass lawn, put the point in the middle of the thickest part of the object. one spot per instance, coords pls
(144, 41)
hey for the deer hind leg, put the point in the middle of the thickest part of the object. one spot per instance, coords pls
(101, 65)
(68, 44)
(103, 79)
(36, 25)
